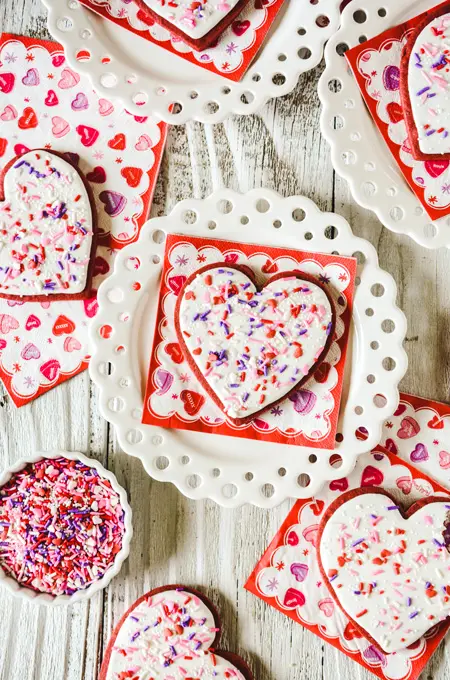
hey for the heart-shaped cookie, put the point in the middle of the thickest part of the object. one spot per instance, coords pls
(250, 348)
(425, 86)
(47, 229)
(389, 571)
(167, 635)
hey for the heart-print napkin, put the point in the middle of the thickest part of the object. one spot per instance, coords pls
(174, 396)
(288, 576)
(419, 432)
(376, 66)
(230, 56)
(44, 103)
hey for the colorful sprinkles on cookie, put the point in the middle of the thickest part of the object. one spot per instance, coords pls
(46, 228)
(429, 86)
(253, 347)
(61, 526)
(196, 19)
(391, 575)
(167, 636)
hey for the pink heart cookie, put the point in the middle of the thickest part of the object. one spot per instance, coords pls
(252, 348)
(167, 634)
(48, 255)
(387, 570)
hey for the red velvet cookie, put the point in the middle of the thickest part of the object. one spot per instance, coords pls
(170, 633)
(252, 347)
(388, 570)
(48, 229)
(425, 86)
(198, 23)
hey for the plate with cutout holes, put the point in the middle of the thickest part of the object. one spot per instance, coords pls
(358, 151)
(228, 470)
(163, 83)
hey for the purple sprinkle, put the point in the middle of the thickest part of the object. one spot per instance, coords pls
(392, 507)
(361, 540)
(411, 616)
(423, 90)
(283, 368)
(245, 397)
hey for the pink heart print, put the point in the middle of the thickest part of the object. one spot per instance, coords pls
(31, 78)
(80, 103)
(444, 460)
(167, 634)
(9, 113)
(60, 127)
(409, 427)
(144, 143)
(105, 107)
(30, 351)
(8, 323)
(69, 79)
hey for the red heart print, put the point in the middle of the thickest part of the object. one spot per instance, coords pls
(63, 326)
(101, 267)
(239, 27)
(192, 401)
(395, 112)
(317, 507)
(191, 626)
(19, 149)
(391, 446)
(3, 344)
(231, 258)
(132, 176)
(404, 484)
(401, 408)
(97, 175)
(294, 598)
(32, 322)
(118, 142)
(436, 423)
(269, 267)
(51, 98)
(51, 369)
(3, 146)
(339, 484)
(409, 427)
(176, 283)
(145, 17)
(7, 81)
(58, 60)
(28, 119)
(293, 538)
(88, 135)
(350, 632)
(90, 307)
(371, 476)
(173, 349)
(436, 168)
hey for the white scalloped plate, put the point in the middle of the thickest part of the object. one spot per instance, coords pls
(358, 152)
(211, 466)
(295, 45)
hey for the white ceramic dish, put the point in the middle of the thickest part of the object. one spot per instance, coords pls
(161, 79)
(210, 466)
(358, 152)
(45, 598)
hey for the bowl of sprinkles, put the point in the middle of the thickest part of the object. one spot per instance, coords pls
(65, 527)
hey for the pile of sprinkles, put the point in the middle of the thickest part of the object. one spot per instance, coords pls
(46, 228)
(429, 85)
(167, 636)
(391, 575)
(253, 347)
(61, 526)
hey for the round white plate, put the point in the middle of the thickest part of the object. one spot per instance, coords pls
(295, 45)
(212, 466)
(358, 152)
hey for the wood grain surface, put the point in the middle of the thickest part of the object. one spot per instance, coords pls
(198, 543)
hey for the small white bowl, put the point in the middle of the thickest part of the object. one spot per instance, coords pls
(54, 600)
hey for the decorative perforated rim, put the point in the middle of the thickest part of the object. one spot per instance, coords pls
(295, 46)
(30, 595)
(358, 152)
(229, 470)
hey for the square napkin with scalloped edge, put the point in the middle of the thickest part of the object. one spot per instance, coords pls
(46, 104)
(174, 397)
(419, 432)
(230, 57)
(288, 577)
(376, 66)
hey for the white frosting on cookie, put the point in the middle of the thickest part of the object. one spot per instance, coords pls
(253, 347)
(429, 86)
(390, 574)
(167, 637)
(46, 228)
(195, 18)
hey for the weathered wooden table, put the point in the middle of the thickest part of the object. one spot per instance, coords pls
(281, 148)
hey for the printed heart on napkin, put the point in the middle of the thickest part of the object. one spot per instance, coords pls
(251, 348)
(387, 570)
(168, 633)
(48, 229)
(424, 86)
